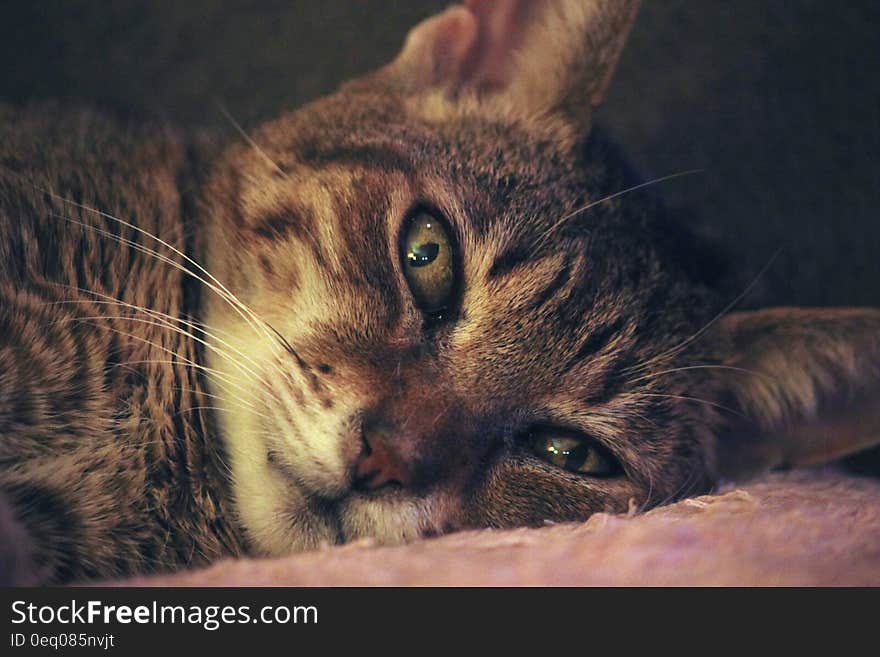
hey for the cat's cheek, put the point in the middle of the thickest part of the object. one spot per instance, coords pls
(320, 444)
(277, 519)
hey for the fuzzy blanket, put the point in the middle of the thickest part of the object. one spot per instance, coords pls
(800, 528)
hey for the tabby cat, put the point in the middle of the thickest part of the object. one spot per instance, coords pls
(435, 300)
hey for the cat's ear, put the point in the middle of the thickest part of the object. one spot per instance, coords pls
(803, 386)
(524, 56)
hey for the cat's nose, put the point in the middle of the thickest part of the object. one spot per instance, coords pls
(380, 464)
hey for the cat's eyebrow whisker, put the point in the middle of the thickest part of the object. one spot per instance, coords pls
(685, 398)
(652, 375)
(250, 141)
(571, 215)
(682, 345)
(694, 399)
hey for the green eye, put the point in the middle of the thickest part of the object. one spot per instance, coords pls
(574, 453)
(428, 262)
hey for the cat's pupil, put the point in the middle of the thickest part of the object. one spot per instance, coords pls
(423, 254)
(576, 457)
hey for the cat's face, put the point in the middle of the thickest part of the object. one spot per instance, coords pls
(430, 335)
(462, 353)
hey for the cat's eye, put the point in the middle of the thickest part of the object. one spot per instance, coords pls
(574, 453)
(428, 261)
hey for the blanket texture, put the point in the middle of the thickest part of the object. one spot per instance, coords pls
(808, 528)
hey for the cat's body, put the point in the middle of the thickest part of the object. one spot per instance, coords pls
(434, 300)
(106, 445)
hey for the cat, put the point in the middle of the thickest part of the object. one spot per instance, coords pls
(437, 299)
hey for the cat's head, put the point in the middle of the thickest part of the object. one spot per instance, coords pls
(449, 313)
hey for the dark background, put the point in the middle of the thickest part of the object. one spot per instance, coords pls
(778, 101)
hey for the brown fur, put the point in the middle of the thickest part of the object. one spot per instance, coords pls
(577, 308)
(103, 444)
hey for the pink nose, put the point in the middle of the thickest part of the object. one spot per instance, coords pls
(379, 464)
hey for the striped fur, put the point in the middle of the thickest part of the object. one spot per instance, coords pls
(134, 437)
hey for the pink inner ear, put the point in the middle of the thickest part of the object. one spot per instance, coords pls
(441, 45)
(501, 26)
(471, 44)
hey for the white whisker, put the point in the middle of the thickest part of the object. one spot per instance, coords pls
(171, 327)
(684, 398)
(244, 135)
(543, 237)
(678, 348)
(652, 375)
(219, 289)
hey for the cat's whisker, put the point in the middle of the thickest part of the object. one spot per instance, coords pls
(211, 408)
(220, 379)
(204, 328)
(201, 392)
(193, 324)
(685, 398)
(227, 294)
(219, 288)
(683, 490)
(571, 215)
(682, 345)
(653, 375)
(234, 401)
(220, 291)
(287, 347)
(647, 501)
(175, 329)
(240, 403)
(250, 141)
(181, 358)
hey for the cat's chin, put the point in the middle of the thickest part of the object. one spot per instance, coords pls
(391, 517)
(280, 519)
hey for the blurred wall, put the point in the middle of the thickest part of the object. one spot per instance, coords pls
(777, 101)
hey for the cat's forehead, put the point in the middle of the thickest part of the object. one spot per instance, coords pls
(512, 176)
(353, 165)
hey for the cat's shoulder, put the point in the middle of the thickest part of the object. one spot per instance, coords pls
(116, 163)
(66, 170)
(90, 150)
